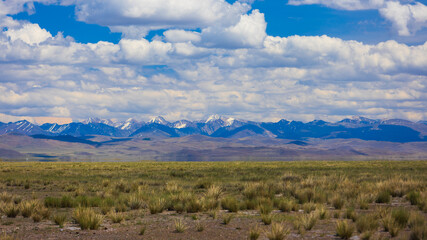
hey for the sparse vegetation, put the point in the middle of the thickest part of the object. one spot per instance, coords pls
(250, 192)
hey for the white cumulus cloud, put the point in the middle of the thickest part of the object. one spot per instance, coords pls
(407, 17)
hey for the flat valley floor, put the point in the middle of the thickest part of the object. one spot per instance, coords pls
(214, 200)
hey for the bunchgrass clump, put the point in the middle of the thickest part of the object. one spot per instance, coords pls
(230, 203)
(157, 205)
(278, 231)
(135, 202)
(265, 208)
(306, 221)
(11, 210)
(350, 213)
(418, 233)
(390, 225)
(254, 232)
(285, 205)
(59, 219)
(416, 219)
(344, 229)
(383, 197)
(36, 217)
(142, 230)
(116, 217)
(322, 212)
(180, 226)
(266, 218)
(400, 216)
(309, 207)
(337, 202)
(27, 208)
(87, 218)
(367, 222)
(226, 219)
(199, 226)
(214, 192)
(414, 197)
(194, 205)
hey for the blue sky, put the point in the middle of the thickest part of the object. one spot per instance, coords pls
(260, 60)
(282, 20)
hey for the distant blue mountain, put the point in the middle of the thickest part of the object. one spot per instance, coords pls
(82, 129)
(393, 130)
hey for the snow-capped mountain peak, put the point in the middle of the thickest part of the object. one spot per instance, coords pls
(98, 120)
(180, 125)
(229, 121)
(213, 118)
(158, 120)
(226, 121)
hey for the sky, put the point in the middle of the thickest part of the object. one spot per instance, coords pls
(261, 60)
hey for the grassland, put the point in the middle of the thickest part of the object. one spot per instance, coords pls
(214, 200)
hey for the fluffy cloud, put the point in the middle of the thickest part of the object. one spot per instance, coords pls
(248, 32)
(295, 77)
(175, 35)
(29, 33)
(136, 17)
(406, 18)
(343, 4)
(233, 69)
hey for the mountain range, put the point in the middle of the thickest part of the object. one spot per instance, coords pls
(392, 130)
(217, 138)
